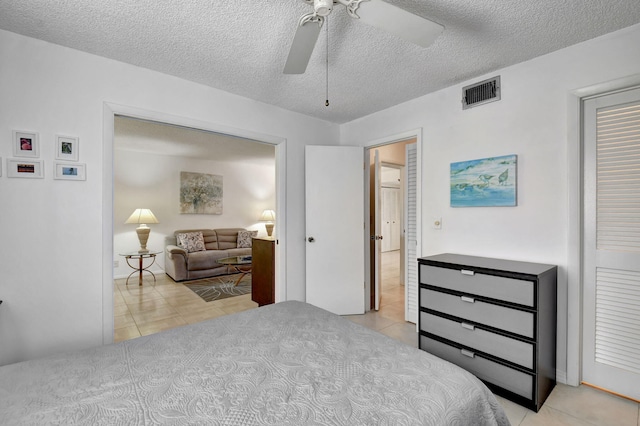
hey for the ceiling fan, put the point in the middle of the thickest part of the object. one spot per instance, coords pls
(377, 13)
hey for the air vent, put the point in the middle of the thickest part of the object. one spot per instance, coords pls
(481, 93)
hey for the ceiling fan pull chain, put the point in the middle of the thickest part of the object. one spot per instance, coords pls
(326, 103)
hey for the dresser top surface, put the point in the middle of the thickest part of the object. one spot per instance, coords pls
(462, 261)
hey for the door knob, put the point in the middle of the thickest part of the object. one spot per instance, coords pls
(311, 239)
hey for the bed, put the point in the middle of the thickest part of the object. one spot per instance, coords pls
(285, 364)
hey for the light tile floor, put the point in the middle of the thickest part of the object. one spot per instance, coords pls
(166, 304)
(566, 405)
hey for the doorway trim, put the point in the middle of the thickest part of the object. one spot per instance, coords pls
(575, 99)
(110, 110)
(372, 144)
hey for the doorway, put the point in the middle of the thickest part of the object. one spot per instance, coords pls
(111, 111)
(149, 161)
(387, 204)
(391, 256)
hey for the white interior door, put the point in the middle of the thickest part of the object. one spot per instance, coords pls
(377, 238)
(391, 206)
(611, 275)
(411, 240)
(334, 211)
(385, 230)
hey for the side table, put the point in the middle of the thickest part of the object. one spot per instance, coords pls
(140, 268)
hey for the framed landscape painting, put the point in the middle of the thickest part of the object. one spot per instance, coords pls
(487, 182)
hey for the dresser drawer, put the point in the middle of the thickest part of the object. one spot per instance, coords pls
(508, 378)
(500, 288)
(501, 317)
(509, 349)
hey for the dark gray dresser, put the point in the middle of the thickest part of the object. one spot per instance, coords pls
(495, 318)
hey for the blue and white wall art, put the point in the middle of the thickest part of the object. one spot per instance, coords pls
(487, 182)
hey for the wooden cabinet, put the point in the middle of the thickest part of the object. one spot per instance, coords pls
(496, 318)
(263, 271)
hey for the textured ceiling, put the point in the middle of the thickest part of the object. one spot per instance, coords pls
(241, 46)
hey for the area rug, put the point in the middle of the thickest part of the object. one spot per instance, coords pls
(221, 287)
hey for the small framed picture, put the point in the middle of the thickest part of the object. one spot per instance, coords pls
(67, 171)
(17, 168)
(66, 148)
(25, 144)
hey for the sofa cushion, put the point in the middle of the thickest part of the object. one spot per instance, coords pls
(209, 235)
(210, 239)
(244, 238)
(203, 260)
(228, 238)
(191, 241)
(239, 252)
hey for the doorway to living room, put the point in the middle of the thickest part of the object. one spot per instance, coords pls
(149, 160)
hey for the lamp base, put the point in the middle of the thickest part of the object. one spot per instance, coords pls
(143, 237)
(269, 227)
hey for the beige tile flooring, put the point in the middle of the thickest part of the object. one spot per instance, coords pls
(166, 304)
(565, 406)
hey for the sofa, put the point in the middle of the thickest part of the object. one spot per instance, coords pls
(189, 256)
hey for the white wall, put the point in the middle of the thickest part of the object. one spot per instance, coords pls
(531, 121)
(143, 180)
(52, 252)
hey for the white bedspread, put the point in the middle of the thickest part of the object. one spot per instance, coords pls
(284, 364)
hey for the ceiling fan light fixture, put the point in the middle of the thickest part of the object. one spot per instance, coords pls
(377, 13)
(323, 7)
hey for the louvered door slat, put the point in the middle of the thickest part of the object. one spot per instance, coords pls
(618, 318)
(412, 236)
(618, 178)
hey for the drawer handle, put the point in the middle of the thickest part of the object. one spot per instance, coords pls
(467, 353)
(467, 299)
(468, 326)
(467, 272)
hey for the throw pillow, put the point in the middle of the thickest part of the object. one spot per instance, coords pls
(191, 241)
(244, 238)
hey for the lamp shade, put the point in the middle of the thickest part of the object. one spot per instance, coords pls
(268, 216)
(142, 216)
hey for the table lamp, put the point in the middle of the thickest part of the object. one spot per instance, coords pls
(268, 216)
(142, 217)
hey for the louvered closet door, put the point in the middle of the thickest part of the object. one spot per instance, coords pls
(411, 240)
(611, 351)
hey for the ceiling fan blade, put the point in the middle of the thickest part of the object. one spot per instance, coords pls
(399, 22)
(303, 43)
